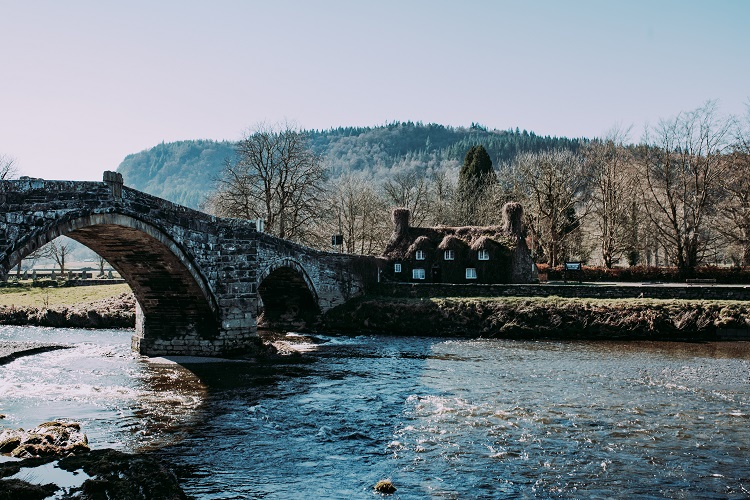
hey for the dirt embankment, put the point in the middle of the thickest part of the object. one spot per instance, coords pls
(544, 318)
(111, 312)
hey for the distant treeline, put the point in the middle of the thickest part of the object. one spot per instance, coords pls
(185, 172)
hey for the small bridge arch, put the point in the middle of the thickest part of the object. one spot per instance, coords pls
(287, 295)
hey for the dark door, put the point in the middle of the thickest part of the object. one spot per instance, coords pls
(436, 274)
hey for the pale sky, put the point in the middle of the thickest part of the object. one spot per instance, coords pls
(84, 83)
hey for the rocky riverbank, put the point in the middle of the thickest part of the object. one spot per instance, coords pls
(549, 317)
(111, 312)
(98, 474)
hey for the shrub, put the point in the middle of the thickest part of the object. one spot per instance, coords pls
(727, 275)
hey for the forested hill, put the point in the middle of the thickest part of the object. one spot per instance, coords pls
(185, 171)
(182, 172)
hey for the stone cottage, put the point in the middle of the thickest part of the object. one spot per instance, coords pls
(469, 254)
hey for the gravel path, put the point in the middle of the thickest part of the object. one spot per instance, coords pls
(12, 350)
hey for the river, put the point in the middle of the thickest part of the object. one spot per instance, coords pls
(441, 418)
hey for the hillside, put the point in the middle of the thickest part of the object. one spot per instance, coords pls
(184, 172)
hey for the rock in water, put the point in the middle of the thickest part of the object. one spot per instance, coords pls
(385, 486)
(48, 439)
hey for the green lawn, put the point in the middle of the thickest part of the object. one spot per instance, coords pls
(42, 297)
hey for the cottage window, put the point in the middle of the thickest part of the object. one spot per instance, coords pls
(449, 255)
(417, 274)
(419, 255)
(471, 273)
(397, 267)
(483, 254)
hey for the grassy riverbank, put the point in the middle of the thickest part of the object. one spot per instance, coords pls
(97, 306)
(545, 317)
(42, 297)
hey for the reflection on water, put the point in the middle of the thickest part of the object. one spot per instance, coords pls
(440, 418)
(51, 473)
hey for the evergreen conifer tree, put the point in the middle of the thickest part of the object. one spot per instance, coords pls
(475, 176)
(477, 166)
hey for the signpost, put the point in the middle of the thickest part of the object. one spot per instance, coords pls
(573, 267)
(337, 240)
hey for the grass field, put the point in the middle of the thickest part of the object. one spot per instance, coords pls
(42, 297)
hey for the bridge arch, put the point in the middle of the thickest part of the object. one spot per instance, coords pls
(173, 296)
(287, 295)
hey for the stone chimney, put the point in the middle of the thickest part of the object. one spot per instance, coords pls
(513, 218)
(400, 218)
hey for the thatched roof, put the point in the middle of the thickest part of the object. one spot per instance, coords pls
(406, 240)
(421, 243)
(452, 242)
(484, 242)
(403, 246)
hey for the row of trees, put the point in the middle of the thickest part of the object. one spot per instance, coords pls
(680, 197)
(177, 171)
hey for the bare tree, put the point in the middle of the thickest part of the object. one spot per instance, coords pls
(58, 250)
(275, 177)
(360, 214)
(734, 209)
(682, 165)
(442, 187)
(557, 186)
(30, 260)
(409, 189)
(426, 184)
(507, 187)
(8, 168)
(613, 183)
(102, 262)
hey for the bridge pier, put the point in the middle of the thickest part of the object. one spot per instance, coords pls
(150, 339)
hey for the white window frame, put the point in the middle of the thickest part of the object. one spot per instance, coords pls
(419, 255)
(397, 267)
(483, 254)
(471, 273)
(417, 274)
(449, 255)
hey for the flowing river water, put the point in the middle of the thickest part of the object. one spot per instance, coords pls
(441, 418)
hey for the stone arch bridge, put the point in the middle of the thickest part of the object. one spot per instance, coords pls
(200, 281)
